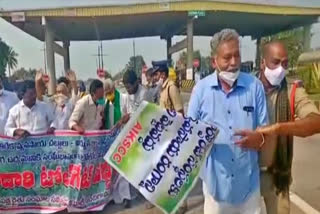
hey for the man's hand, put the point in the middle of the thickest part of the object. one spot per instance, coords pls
(123, 121)
(250, 139)
(51, 130)
(78, 128)
(20, 133)
(270, 130)
(39, 76)
(71, 76)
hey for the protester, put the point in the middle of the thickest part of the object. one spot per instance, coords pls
(87, 114)
(62, 107)
(285, 101)
(82, 91)
(231, 100)
(7, 101)
(29, 116)
(137, 92)
(116, 105)
(152, 87)
(170, 97)
(71, 82)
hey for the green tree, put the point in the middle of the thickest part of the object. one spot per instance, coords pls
(293, 40)
(24, 74)
(12, 61)
(183, 56)
(136, 63)
(3, 57)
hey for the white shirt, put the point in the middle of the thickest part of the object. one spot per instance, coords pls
(87, 114)
(36, 120)
(62, 115)
(7, 101)
(136, 99)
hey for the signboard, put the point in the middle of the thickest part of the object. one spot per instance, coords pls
(160, 153)
(18, 17)
(197, 13)
(49, 173)
(189, 72)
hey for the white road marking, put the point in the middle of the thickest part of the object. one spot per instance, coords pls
(302, 205)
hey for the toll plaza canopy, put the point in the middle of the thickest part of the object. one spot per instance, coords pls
(83, 20)
(75, 20)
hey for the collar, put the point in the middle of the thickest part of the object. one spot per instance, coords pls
(214, 81)
(164, 85)
(23, 105)
(91, 100)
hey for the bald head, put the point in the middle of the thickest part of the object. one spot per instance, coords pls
(274, 54)
(272, 47)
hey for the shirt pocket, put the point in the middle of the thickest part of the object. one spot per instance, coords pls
(247, 111)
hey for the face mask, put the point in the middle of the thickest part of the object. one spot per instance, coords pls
(61, 99)
(275, 76)
(229, 77)
(110, 97)
(101, 101)
(160, 82)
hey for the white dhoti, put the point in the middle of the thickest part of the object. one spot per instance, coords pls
(121, 190)
(251, 206)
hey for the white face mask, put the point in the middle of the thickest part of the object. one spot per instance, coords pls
(229, 77)
(61, 99)
(160, 82)
(275, 76)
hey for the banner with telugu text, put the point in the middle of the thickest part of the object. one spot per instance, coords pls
(161, 153)
(48, 173)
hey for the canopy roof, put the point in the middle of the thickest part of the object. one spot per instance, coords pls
(116, 19)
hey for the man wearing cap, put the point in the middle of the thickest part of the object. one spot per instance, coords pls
(170, 97)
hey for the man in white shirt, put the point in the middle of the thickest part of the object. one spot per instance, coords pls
(63, 107)
(7, 101)
(87, 114)
(137, 92)
(29, 116)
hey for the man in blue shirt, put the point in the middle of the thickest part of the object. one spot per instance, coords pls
(231, 100)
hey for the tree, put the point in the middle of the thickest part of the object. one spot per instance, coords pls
(3, 58)
(183, 56)
(23, 74)
(12, 61)
(136, 63)
(293, 40)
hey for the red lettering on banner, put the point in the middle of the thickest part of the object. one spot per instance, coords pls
(56, 175)
(126, 143)
(75, 175)
(46, 181)
(86, 177)
(106, 173)
(12, 180)
(28, 181)
(97, 175)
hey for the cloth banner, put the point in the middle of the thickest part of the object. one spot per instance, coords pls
(48, 173)
(161, 153)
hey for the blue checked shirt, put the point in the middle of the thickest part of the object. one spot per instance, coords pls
(231, 173)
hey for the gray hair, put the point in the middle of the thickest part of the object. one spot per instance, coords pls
(224, 35)
(108, 83)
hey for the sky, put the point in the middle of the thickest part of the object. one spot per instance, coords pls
(118, 52)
